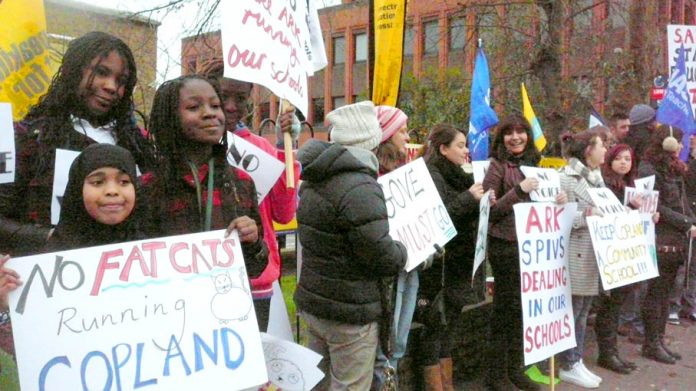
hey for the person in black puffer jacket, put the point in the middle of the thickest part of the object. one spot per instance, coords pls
(346, 247)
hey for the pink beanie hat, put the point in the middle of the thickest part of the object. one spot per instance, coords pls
(391, 120)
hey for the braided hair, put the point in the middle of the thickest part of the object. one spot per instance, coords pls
(166, 128)
(63, 98)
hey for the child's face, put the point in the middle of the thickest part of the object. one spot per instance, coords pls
(200, 111)
(109, 195)
(109, 77)
(622, 163)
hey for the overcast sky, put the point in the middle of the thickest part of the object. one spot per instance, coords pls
(175, 25)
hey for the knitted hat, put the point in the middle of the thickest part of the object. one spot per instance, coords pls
(641, 113)
(355, 125)
(391, 120)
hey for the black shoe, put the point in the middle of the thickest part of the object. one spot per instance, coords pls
(522, 381)
(613, 363)
(654, 351)
(672, 353)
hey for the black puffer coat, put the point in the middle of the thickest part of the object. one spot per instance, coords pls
(452, 184)
(344, 233)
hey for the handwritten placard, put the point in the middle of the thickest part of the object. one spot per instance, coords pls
(173, 313)
(605, 200)
(480, 168)
(543, 232)
(482, 233)
(64, 159)
(263, 168)
(7, 145)
(290, 366)
(264, 42)
(549, 183)
(413, 151)
(417, 216)
(645, 184)
(622, 249)
(649, 200)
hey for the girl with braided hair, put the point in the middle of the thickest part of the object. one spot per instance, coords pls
(89, 101)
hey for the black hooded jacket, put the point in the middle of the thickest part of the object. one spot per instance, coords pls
(344, 232)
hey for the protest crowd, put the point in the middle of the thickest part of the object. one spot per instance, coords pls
(359, 293)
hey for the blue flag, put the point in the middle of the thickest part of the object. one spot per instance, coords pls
(482, 117)
(675, 108)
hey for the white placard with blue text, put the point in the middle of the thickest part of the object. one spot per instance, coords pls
(549, 183)
(7, 145)
(543, 234)
(417, 216)
(172, 313)
(263, 168)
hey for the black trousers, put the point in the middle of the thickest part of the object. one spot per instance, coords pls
(655, 309)
(263, 309)
(607, 322)
(505, 332)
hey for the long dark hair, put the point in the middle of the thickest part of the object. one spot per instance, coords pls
(51, 115)
(166, 128)
(614, 181)
(530, 156)
(664, 161)
(440, 134)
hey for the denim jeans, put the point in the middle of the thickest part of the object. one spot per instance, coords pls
(404, 306)
(581, 308)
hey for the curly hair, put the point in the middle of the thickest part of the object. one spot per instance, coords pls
(664, 161)
(530, 156)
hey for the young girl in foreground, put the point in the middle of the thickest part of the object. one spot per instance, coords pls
(99, 207)
(193, 188)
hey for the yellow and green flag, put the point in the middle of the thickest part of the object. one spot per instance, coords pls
(528, 111)
(389, 18)
(25, 67)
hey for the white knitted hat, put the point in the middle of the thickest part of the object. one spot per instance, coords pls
(355, 125)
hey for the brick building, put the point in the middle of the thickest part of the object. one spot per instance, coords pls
(67, 19)
(443, 34)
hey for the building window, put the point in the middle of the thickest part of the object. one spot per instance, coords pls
(408, 41)
(583, 20)
(339, 101)
(360, 47)
(339, 50)
(431, 37)
(457, 34)
(318, 111)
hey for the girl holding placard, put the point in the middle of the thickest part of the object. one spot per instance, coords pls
(193, 188)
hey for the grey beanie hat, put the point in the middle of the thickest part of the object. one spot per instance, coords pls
(356, 125)
(641, 113)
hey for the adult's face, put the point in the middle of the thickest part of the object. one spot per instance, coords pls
(594, 157)
(620, 128)
(400, 138)
(515, 140)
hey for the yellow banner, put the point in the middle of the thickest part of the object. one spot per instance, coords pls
(389, 16)
(25, 67)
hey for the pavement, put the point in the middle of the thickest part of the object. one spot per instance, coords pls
(650, 375)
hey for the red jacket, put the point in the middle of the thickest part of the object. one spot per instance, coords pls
(279, 205)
